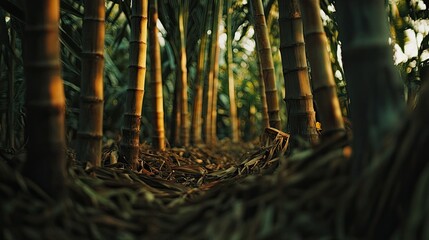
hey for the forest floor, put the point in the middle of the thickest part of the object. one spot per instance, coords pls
(231, 191)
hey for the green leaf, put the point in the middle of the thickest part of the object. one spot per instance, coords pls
(70, 44)
(70, 9)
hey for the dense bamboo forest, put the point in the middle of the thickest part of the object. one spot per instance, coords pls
(223, 119)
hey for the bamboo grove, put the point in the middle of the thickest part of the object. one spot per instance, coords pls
(185, 78)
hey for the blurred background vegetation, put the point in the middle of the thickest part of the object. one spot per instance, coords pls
(409, 24)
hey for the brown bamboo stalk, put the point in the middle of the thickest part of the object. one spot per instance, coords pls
(158, 138)
(216, 73)
(270, 12)
(299, 99)
(324, 89)
(90, 130)
(261, 35)
(214, 96)
(231, 87)
(196, 124)
(206, 123)
(183, 79)
(137, 69)
(209, 105)
(45, 101)
(210, 122)
(175, 114)
(264, 107)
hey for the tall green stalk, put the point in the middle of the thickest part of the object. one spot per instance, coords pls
(90, 130)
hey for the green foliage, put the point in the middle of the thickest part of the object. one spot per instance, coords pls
(11, 60)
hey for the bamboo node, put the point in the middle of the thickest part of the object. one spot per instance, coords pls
(290, 18)
(138, 41)
(297, 69)
(91, 99)
(135, 90)
(136, 66)
(138, 17)
(319, 32)
(292, 45)
(86, 135)
(323, 88)
(271, 90)
(99, 55)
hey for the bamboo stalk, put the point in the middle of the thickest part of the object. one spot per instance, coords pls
(231, 88)
(264, 108)
(212, 82)
(374, 85)
(45, 102)
(197, 113)
(183, 79)
(215, 64)
(175, 115)
(208, 121)
(210, 117)
(325, 92)
(299, 99)
(261, 35)
(137, 69)
(158, 138)
(90, 130)
(196, 123)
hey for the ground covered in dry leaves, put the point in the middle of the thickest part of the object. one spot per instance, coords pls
(232, 191)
